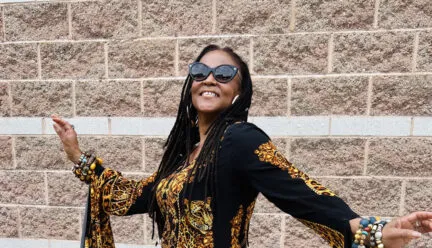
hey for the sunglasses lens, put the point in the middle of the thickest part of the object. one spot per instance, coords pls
(224, 73)
(199, 71)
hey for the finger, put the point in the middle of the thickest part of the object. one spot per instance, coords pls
(405, 234)
(58, 129)
(66, 125)
(418, 216)
(426, 226)
(60, 121)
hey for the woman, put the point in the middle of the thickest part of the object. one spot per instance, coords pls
(214, 165)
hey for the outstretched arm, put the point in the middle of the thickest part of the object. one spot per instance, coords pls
(116, 194)
(267, 171)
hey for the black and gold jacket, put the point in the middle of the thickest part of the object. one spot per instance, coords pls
(248, 164)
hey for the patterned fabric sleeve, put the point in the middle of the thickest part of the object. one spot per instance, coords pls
(112, 194)
(267, 171)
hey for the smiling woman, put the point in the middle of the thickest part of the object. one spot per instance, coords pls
(214, 165)
(214, 89)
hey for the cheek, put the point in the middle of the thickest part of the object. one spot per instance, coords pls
(233, 90)
(194, 89)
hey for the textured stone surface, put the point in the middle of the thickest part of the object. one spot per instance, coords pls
(281, 144)
(9, 222)
(318, 15)
(176, 17)
(5, 110)
(402, 95)
(270, 97)
(400, 157)
(121, 153)
(143, 58)
(189, 49)
(162, 98)
(405, 14)
(148, 230)
(291, 54)
(46, 223)
(265, 231)
(72, 60)
(64, 189)
(38, 153)
(424, 58)
(262, 205)
(424, 241)
(89, 143)
(97, 98)
(128, 229)
(253, 17)
(373, 52)
(18, 61)
(317, 157)
(358, 191)
(298, 235)
(153, 149)
(22, 187)
(418, 196)
(45, 21)
(329, 96)
(105, 19)
(6, 161)
(1, 25)
(41, 98)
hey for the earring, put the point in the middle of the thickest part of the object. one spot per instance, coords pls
(235, 99)
(187, 112)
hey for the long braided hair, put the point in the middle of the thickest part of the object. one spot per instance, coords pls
(185, 134)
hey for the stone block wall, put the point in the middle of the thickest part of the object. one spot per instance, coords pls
(343, 87)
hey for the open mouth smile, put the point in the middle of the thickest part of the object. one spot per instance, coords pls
(209, 93)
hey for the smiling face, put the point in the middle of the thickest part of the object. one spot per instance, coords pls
(209, 97)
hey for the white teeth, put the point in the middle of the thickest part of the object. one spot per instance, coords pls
(208, 93)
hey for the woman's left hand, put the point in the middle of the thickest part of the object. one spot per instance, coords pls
(401, 231)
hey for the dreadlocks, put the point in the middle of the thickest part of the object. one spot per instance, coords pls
(185, 134)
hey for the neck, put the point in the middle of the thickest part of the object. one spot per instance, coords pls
(204, 122)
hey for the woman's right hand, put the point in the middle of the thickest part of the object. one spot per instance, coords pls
(68, 137)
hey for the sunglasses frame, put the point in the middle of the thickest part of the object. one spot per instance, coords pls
(213, 70)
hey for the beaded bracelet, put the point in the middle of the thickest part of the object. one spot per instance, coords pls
(376, 234)
(85, 167)
(363, 232)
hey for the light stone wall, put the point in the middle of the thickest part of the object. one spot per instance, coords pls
(344, 88)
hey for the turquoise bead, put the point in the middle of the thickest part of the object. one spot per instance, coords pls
(364, 222)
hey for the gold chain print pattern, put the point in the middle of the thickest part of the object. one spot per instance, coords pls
(235, 228)
(334, 238)
(249, 212)
(267, 152)
(119, 193)
(188, 224)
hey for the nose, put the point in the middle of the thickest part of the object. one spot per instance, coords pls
(210, 79)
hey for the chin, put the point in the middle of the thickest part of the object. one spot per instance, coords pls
(209, 110)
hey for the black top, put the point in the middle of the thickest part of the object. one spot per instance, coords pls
(248, 163)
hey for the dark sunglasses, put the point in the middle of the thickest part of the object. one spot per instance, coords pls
(223, 73)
